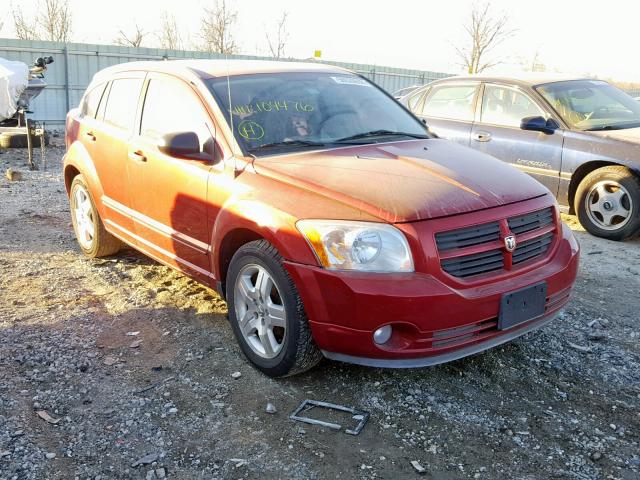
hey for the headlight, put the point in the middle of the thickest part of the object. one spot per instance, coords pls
(365, 246)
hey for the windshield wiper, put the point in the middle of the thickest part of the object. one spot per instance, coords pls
(380, 133)
(288, 143)
(603, 127)
(618, 126)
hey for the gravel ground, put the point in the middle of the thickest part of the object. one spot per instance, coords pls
(121, 368)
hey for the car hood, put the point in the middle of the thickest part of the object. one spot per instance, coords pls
(631, 135)
(404, 181)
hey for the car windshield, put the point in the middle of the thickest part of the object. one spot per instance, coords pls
(592, 105)
(274, 112)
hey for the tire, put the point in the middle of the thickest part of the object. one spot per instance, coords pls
(102, 243)
(606, 191)
(19, 140)
(294, 350)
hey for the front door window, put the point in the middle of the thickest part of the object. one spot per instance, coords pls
(507, 107)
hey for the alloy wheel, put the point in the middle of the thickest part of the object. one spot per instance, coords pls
(260, 311)
(608, 205)
(83, 215)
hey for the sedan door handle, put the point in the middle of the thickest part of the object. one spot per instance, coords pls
(137, 156)
(481, 136)
(91, 136)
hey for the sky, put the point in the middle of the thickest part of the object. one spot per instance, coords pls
(569, 36)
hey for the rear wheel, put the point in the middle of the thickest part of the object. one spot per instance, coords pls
(93, 238)
(608, 203)
(266, 312)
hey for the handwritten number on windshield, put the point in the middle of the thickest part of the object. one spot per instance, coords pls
(272, 106)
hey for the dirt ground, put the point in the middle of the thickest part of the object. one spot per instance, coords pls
(561, 403)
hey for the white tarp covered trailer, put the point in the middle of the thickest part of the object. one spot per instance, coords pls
(14, 77)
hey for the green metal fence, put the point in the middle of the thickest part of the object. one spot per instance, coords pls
(75, 64)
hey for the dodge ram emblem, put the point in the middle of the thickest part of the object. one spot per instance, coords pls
(510, 243)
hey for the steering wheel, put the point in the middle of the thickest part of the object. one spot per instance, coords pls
(596, 113)
(343, 112)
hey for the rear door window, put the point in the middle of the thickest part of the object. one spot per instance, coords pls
(170, 107)
(455, 102)
(122, 103)
(92, 101)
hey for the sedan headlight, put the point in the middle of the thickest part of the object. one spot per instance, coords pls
(364, 246)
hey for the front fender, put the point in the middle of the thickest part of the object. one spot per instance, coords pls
(265, 221)
(77, 158)
(580, 148)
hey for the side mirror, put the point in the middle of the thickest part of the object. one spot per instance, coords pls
(180, 144)
(539, 124)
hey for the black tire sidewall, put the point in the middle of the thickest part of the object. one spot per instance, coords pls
(79, 181)
(286, 358)
(625, 178)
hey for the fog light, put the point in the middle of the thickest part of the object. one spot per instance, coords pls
(382, 335)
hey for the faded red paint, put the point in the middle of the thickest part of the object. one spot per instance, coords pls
(183, 213)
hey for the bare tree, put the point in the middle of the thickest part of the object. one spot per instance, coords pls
(169, 35)
(53, 22)
(485, 32)
(279, 42)
(216, 28)
(536, 64)
(133, 40)
(25, 29)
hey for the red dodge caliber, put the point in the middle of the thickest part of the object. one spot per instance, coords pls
(332, 222)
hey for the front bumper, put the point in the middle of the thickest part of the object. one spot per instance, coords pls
(450, 356)
(433, 321)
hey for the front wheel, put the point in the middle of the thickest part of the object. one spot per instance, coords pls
(266, 312)
(607, 203)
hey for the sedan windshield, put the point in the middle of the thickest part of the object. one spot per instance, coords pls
(275, 112)
(592, 105)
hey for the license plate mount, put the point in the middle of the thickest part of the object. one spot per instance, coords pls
(522, 305)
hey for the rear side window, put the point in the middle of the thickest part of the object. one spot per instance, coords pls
(122, 102)
(92, 101)
(454, 102)
(170, 107)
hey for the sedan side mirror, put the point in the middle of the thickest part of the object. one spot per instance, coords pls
(539, 124)
(180, 144)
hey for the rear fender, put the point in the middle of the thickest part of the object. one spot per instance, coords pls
(77, 159)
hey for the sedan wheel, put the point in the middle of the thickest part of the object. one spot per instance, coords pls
(607, 203)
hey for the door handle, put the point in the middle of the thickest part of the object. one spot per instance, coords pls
(137, 156)
(91, 136)
(481, 136)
